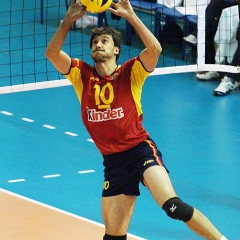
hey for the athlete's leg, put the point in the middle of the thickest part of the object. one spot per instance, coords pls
(201, 225)
(117, 212)
(158, 182)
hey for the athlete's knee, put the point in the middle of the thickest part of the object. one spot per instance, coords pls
(109, 237)
(177, 209)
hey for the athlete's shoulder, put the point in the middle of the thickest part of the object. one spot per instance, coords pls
(78, 63)
(131, 60)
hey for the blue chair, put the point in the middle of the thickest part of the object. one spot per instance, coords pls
(143, 6)
(171, 14)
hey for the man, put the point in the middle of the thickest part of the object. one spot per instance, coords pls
(111, 112)
(213, 14)
(231, 81)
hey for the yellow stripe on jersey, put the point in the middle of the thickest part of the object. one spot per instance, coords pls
(138, 76)
(75, 78)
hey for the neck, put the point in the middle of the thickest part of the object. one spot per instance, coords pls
(105, 68)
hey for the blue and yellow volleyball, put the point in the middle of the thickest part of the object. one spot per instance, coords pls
(96, 6)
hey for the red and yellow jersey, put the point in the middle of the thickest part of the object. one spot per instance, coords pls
(110, 106)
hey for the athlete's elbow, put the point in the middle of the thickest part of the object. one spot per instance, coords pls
(49, 53)
(158, 50)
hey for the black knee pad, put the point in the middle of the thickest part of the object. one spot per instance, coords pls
(177, 209)
(109, 237)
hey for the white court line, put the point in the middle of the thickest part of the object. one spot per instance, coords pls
(61, 211)
(86, 171)
(49, 126)
(90, 140)
(7, 113)
(17, 180)
(52, 176)
(71, 134)
(27, 120)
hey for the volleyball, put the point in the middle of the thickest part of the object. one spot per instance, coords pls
(96, 6)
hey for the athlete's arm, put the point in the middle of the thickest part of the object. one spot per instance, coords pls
(149, 56)
(60, 59)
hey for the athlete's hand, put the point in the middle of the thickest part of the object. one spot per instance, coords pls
(122, 8)
(75, 11)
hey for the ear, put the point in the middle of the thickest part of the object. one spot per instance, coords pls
(116, 50)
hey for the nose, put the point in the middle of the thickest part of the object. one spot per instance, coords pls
(98, 44)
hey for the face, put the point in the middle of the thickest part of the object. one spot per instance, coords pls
(103, 48)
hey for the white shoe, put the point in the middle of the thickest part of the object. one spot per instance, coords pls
(226, 86)
(191, 39)
(207, 75)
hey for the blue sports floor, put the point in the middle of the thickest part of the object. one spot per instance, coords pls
(197, 133)
(47, 155)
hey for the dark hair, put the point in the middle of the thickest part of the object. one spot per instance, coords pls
(116, 36)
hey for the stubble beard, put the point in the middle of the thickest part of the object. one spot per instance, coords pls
(102, 56)
(99, 57)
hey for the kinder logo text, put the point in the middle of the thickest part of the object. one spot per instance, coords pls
(108, 114)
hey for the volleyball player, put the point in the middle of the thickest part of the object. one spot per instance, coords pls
(111, 112)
